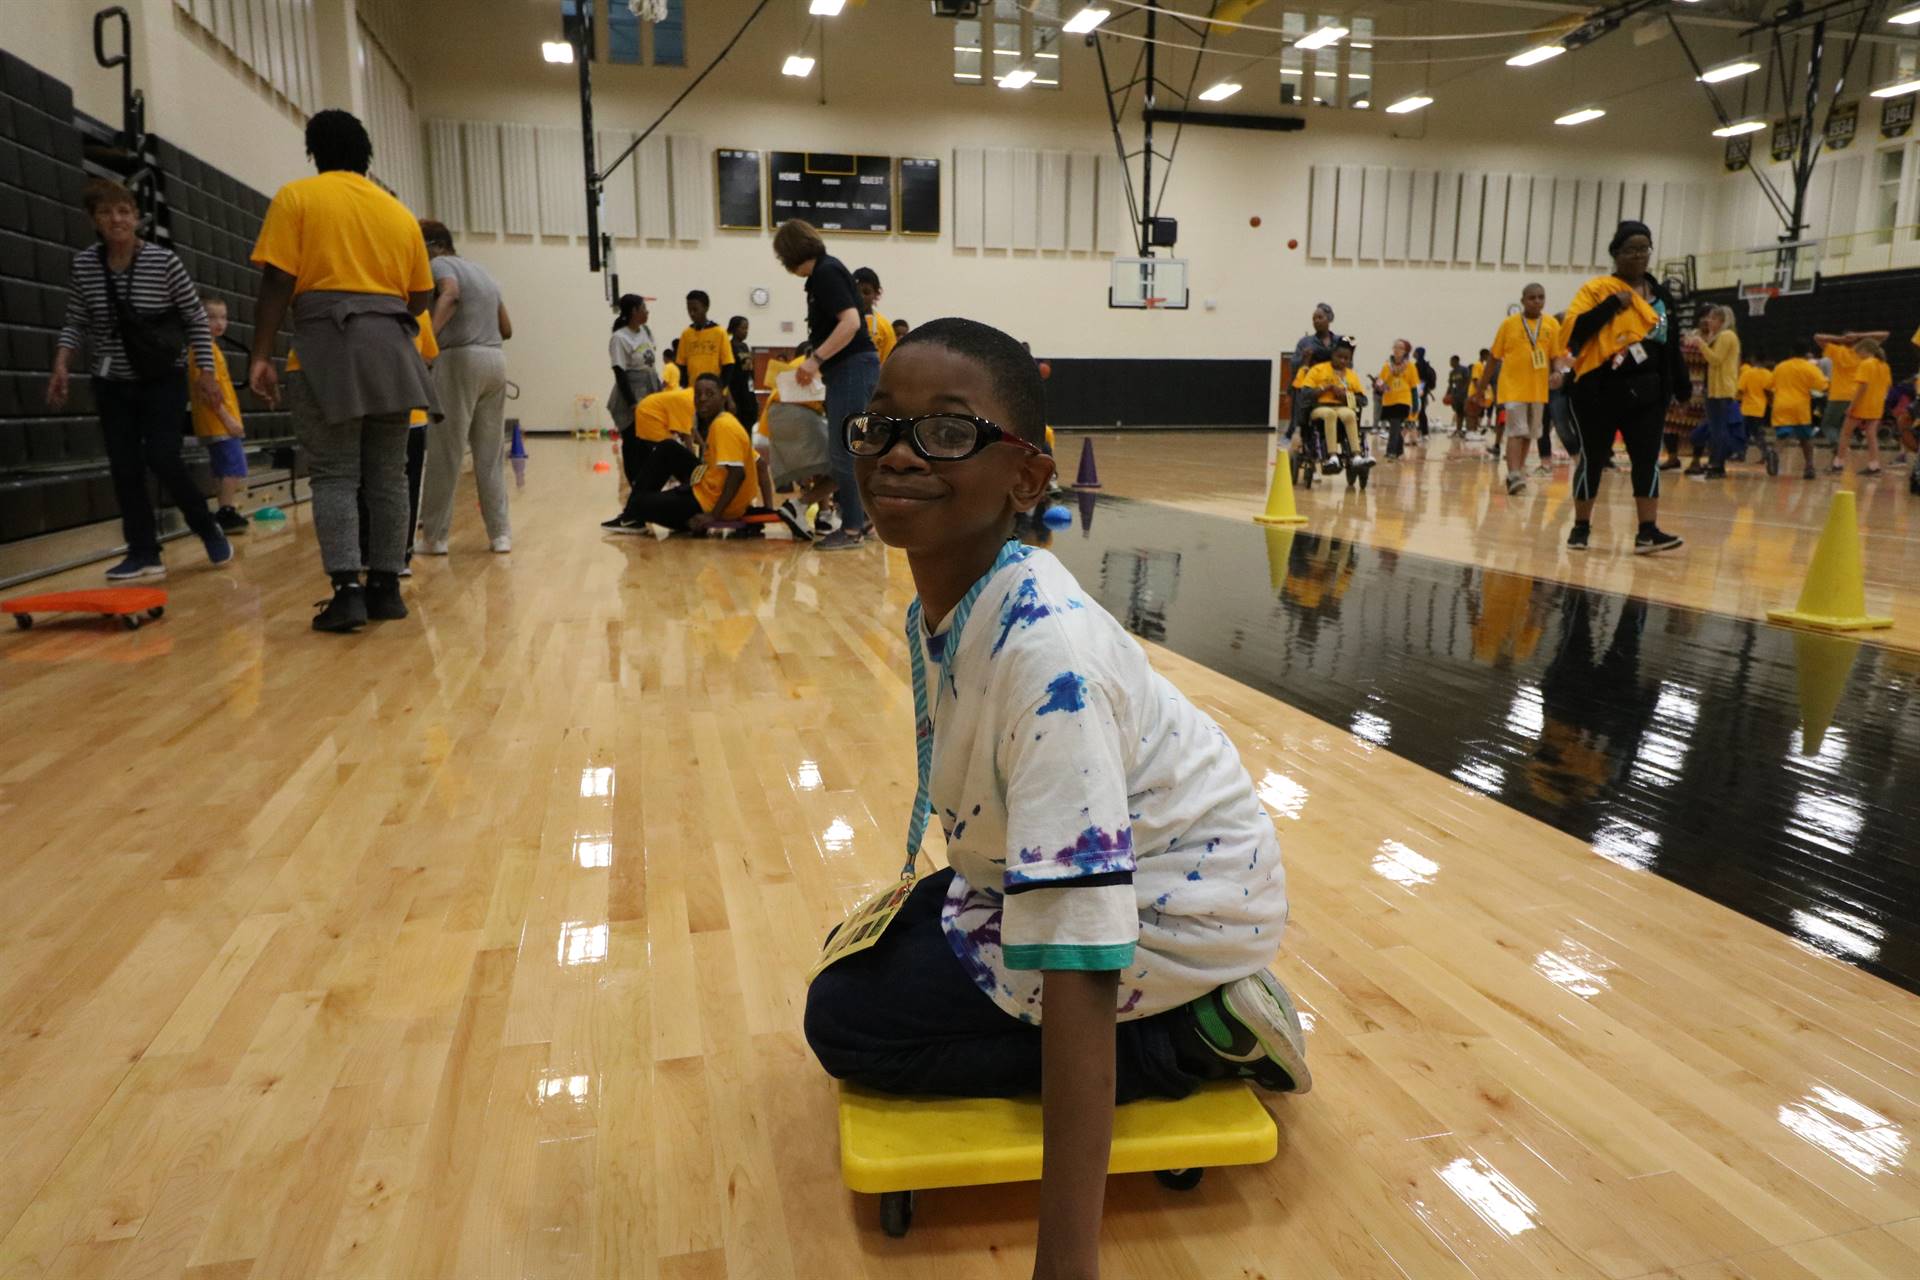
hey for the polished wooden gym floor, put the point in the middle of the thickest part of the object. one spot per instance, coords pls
(473, 945)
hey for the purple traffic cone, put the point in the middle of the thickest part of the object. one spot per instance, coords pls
(1089, 477)
(1086, 514)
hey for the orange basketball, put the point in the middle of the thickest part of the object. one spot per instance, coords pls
(1293, 244)
(1046, 370)
(1254, 221)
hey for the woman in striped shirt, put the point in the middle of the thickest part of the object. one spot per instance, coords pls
(140, 417)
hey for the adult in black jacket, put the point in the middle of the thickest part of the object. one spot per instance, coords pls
(1628, 390)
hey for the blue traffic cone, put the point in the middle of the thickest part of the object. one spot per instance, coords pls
(519, 449)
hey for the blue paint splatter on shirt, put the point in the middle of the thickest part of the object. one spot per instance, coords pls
(1093, 852)
(1193, 875)
(1066, 692)
(1022, 609)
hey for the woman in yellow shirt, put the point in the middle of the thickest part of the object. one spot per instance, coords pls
(1397, 382)
(1872, 380)
(1626, 367)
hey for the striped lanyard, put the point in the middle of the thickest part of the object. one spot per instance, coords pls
(1011, 553)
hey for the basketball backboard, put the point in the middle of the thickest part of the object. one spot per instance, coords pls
(1148, 284)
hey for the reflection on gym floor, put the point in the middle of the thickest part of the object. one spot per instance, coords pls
(1753, 764)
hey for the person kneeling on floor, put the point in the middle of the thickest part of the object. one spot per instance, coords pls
(1109, 861)
(718, 485)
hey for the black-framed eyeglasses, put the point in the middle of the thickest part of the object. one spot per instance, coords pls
(937, 437)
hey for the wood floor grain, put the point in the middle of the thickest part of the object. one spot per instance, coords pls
(473, 945)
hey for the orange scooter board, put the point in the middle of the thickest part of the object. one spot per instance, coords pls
(132, 605)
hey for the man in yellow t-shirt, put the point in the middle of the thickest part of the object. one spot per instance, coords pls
(1520, 368)
(1794, 382)
(217, 425)
(704, 347)
(879, 328)
(1838, 350)
(719, 484)
(350, 263)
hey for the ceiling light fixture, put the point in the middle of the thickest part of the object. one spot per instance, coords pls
(1729, 71)
(1086, 20)
(1321, 39)
(1895, 90)
(1906, 17)
(1409, 104)
(826, 8)
(1535, 56)
(1739, 127)
(1220, 92)
(1581, 116)
(1018, 78)
(556, 50)
(797, 64)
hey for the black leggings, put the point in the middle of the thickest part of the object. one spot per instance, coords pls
(1599, 407)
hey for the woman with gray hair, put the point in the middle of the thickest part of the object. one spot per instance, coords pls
(1720, 348)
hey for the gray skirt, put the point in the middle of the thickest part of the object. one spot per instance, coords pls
(799, 438)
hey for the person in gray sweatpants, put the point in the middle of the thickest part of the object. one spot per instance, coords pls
(470, 322)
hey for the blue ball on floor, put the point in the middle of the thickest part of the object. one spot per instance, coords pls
(1057, 517)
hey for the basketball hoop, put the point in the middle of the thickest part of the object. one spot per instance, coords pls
(1756, 296)
(1151, 303)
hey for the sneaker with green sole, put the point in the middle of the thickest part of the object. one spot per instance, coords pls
(1252, 1024)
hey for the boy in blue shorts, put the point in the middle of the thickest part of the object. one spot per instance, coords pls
(217, 424)
(1109, 860)
(1794, 382)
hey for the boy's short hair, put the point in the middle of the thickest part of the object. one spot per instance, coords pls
(796, 242)
(866, 276)
(714, 378)
(105, 193)
(1871, 348)
(210, 301)
(699, 296)
(1013, 373)
(337, 140)
(436, 235)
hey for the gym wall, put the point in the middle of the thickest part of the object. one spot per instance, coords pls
(886, 79)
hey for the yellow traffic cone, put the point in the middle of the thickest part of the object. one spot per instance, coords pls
(1280, 508)
(1823, 664)
(1835, 595)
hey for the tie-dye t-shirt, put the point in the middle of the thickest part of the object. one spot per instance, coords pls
(1095, 819)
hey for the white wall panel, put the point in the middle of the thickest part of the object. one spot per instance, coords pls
(1586, 200)
(1420, 218)
(692, 187)
(619, 214)
(655, 189)
(1653, 212)
(997, 187)
(1446, 213)
(967, 199)
(562, 184)
(1053, 200)
(480, 141)
(1320, 211)
(448, 198)
(1493, 218)
(1513, 245)
(1081, 167)
(1566, 195)
(1473, 198)
(1606, 214)
(1346, 216)
(1399, 202)
(1373, 213)
(1848, 172)
(1113, 231)
(520, 179)
(1026, 198)
(1540, 222)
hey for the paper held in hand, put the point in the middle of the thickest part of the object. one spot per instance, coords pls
(791, 392)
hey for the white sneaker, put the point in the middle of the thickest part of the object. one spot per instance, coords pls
(406, 571)
(432, 548)
(502, 544)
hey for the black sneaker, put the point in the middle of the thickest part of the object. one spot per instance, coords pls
(1577, 537)
(347, 611)
(1516, 483)
(230, 520)
(620, 524)
(1670, 464)
(1808, 473)
(1252, 1024)
(137, 567)
(383, 598)
(1773, 462)
(795, 519)
(1651, 540)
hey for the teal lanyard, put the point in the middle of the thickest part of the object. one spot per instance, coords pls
(1011, 553)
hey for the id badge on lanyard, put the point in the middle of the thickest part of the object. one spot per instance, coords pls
(867, 922)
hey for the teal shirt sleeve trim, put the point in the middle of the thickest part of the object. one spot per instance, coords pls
(1060, 955)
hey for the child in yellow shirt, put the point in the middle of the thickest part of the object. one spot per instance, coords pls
(1872, 380)
(879, 328)
(1397, 383)
(1756, 381)
(704, 347)
(1338, 395)
(218, 426)
(1794, 382)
